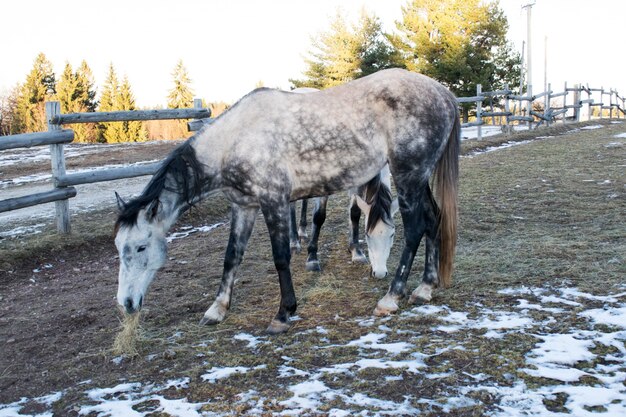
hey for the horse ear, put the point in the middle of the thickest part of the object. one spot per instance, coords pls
(153, 209)
(121, 204)
(365, 208)
(395, 206)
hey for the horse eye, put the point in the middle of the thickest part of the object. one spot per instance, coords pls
(141, 248)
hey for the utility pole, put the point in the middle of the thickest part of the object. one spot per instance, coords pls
(529, 57)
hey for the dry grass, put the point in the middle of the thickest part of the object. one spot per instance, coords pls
(128, 339)
(541, 214)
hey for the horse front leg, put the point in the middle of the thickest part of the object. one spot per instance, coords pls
(319, 217)
(430, 279)
(276, 213)
(355, 245)
(241, 225)
(412, 210)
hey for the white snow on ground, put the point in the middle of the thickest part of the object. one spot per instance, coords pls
(594, 348)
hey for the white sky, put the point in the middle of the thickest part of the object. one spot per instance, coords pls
(230, 45)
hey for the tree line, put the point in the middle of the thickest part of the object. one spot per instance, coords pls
(460, 43)
(22, 110)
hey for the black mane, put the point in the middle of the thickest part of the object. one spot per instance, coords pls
(180, 172)
(378, 196)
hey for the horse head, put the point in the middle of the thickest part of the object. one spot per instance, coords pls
(140, 238)
(379, 237)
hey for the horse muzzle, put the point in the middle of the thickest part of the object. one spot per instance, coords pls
(378, 274)
(131, 307)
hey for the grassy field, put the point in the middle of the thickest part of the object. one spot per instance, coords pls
(534, 323)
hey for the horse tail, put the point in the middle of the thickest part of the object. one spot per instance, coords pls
(447, 180)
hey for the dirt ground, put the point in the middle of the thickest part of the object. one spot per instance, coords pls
(58, 314)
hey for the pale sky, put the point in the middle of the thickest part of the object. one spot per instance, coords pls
(228, 46)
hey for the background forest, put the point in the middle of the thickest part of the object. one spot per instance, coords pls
(460, 43)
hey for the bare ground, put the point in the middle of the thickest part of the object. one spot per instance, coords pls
(548, 214)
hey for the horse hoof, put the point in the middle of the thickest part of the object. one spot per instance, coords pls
(358, 256)
(359, 259)
(313, 266)
(207, 321)
(386, 306)
(277, 327)
(214, 315)
(422, 294)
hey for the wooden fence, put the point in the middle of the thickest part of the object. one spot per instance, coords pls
(501, 107)
(504, 105)
(56, 138)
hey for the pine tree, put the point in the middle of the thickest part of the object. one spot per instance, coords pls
(66, 90)
(181, 95)
(460, 43)
(110, 132)
(132, 131)
(38, 88)
(86, 92)
(344, 53)
(85, 99)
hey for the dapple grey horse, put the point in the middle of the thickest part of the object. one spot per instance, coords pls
(274, 147)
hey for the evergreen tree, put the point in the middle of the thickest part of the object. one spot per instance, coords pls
(85, 99)
(30, 115)
(66, 90)
(86, 92)
(132, 131)
(345, 53)
(112, 132)
(181, 95)
(460, 43)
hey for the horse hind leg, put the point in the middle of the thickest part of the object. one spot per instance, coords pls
(319, 217)
(430, 279)
(302, 234)
(411, 209)
(354, 244)
(241, 225)
(294, 240)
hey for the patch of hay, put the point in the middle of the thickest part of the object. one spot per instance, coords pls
(127, 340)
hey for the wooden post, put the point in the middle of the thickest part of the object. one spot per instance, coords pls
(507, 109)
(577, 102)
(529, 106)
(564, 102)
(57, 159)
(589, 103)
(546, 105)
(479, 110)
(601, 101)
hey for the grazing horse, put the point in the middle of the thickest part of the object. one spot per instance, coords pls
(375, 201)
(273, 147)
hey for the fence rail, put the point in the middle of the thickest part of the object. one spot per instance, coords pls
(505, 108)
(551, 111)
(56, 138)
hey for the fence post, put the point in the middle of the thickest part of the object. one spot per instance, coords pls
(57, 159)
(507, 109)
(577, 102)
(479, 111)
(529, 106)
(546, 106)
(589, 107)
